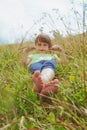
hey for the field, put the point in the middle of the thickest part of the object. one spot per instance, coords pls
(19, 107)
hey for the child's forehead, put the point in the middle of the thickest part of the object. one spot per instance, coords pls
(42, 42)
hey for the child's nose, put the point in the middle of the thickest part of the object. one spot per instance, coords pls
(41, 47)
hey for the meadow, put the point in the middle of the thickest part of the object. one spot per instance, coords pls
(19, 107)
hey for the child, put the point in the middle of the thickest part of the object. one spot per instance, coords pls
(42, 65)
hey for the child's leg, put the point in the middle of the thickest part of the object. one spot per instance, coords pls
(47, 70)
(47, 74)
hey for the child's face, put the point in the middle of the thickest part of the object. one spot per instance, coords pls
(42, 47)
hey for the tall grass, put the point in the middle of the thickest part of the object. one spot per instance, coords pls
(19, 106)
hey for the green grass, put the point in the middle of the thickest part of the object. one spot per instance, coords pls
(19, 106)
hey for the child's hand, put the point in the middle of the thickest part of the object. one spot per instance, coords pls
(56, 48)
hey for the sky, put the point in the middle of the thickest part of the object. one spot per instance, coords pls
(24, 18)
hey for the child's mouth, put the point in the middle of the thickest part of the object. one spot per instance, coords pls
(41, 50)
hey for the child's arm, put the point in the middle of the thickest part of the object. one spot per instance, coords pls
(25, 59)
(62, 58)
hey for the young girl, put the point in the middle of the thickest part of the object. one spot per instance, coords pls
(42, 65)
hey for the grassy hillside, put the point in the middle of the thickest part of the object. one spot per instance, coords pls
(19, 107)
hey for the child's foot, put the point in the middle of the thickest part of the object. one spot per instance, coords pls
(49, 90)
(38, 83)
(50, 87)
(52, 83)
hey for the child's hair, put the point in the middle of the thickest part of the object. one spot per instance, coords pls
(43, 38)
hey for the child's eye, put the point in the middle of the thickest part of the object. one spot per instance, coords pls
(39, 44)
(45, 44)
